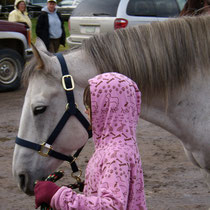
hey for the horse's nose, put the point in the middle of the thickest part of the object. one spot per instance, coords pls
(24, 184)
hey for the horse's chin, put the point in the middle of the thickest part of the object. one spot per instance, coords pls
(29, 192)
(26, 182)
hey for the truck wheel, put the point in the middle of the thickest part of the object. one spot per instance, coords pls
(11, 66)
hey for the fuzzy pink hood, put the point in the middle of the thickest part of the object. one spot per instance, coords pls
(115, 101)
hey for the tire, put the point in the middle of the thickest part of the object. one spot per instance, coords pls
(11, 66)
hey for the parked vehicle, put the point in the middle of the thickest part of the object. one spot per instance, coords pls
(97, 16)
(41, 3)
(66, 8)
(14, 51)
(33, 10)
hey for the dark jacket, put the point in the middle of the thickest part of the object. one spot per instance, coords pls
(42, 29)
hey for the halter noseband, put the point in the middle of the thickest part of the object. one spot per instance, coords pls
(45, 149)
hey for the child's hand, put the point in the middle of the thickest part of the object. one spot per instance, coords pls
(44, 191)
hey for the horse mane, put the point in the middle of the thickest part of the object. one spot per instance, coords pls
(158, 56)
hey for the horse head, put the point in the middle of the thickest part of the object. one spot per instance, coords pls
(44, 105)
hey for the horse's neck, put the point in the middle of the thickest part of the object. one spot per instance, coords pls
(80, 67)
(185, 108)
(187, 111)
(156, 112)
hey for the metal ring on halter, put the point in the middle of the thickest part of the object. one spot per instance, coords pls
(73, 160)
(77, 177)
(67, 106)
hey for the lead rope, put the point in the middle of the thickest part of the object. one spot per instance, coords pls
(58, 175)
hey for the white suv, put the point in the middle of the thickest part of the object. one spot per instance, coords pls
(100, 16)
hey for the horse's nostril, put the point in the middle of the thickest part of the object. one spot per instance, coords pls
(22, 181)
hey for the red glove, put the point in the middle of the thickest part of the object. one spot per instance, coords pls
(44, 191)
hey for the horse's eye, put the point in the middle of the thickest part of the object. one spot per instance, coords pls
(39, 110)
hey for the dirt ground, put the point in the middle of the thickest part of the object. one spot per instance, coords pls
(171, 181)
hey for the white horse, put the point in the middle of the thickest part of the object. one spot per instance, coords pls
(168, 60)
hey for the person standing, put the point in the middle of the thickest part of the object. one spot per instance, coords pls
(19, 14)
(50, 27)
(114, 176)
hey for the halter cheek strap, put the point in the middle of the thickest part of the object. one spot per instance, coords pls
(45, 149)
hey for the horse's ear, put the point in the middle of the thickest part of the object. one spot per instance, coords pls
(41, 54)
(40, 45)
(40, 63)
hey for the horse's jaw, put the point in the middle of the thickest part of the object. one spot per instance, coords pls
(29, 165)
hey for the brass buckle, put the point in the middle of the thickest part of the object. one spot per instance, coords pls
(73, 160)
(45, 146)
(77, 177)
(64, 84)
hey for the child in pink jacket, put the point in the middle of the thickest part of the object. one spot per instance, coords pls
(114, 176)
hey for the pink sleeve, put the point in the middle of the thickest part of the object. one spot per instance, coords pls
(112, 193)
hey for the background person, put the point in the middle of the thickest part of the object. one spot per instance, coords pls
(114, 176)
(196, 7)
(50, 27)
(19, 14)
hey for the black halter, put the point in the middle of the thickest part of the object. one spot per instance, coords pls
(45, 149)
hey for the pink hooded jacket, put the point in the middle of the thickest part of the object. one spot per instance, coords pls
(114, 177)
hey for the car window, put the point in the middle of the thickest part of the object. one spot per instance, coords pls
(181, 3)
(166, 8)
(97, 8)
(141, 8)
(159, 8)
(39, 1)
